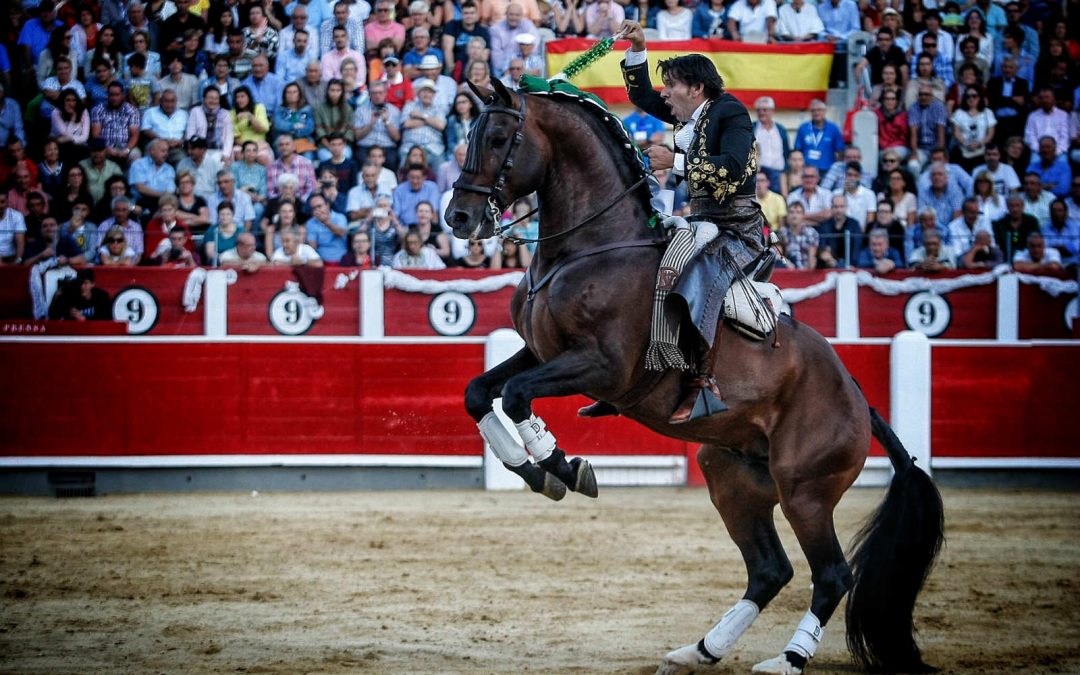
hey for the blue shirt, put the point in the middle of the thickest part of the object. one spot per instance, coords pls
(144, 172)
(820, 147)
(866, 258)
(641, 123)
(329, 245)
(36, 36)
(267, 92)
(842, 20)
(945, 206)
(405, 200)
(11, 122)
(1058, 174)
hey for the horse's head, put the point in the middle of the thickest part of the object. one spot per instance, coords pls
(501, 165)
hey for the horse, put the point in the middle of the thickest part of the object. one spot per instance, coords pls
(797, 429)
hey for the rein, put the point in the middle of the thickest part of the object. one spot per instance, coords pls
(526, 240)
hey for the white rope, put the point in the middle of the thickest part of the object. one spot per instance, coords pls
(193, 289)
(1050, 285)
(794, 295)
(38, 300)
(397, 280)
(341, 281)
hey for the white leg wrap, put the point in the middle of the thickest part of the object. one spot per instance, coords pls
(504, 445)
(807, 636)
(538, 440)
(730, 628)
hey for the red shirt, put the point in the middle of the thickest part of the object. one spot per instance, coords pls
(400, 94)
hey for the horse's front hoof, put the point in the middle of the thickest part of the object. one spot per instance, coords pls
(688, 659)
(585, 479)
(554, 489)
(777, 666)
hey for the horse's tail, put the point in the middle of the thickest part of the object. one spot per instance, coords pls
(893, 555)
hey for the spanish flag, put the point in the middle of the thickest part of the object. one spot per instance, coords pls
(792, 74)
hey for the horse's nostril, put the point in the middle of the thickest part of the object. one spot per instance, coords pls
(459, 217)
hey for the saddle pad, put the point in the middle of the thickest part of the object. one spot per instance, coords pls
(752, 307)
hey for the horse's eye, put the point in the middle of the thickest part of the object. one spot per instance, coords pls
(498, 142)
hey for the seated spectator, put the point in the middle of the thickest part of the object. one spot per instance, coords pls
(251, 178)
(415, 255)
(841, 235)
(885, 54)
(924, 77)
(933, 256)
(221, 79)
(927, 119)
(820, 140)
(239, 56)
(957, 175)
(387, 179)
(326, 230)
(973, 128)
(421, 47)
(173, 251)
(184, 86)
(193, 60)
(143, 90)
(941, 195)
(12, 233)
(342, 16)
(503, 34)
(792, 178)
(754, 17)
(710, 19)
(423, 123)
(449, 171)
(514, 256)
(294, 252)
(333, 116)
(151, 176)
(361, 199)
(293, 61)
(328, 188)
(244, 255)
(70, 127)
(772, 142)
(222, 235)
(377, 124)
(1008, 98)
(477, 257)
(816, 201)
(249, 123)
(798, 22)
(340, 51)
(1037, 257)
(1012, 231)
(212, 125)
(890, 82)
(385, 231)
(122, 206)
(962, 229)
(414, 190)
(52, 244)
(1062, 231)
(878, 255)
(528, 50)
(800, 241)
(894, 132)
(359, 253)
(117, 123)
(1036, 200)
(991, 204)
(50, 169)
(294, 116)
(427, 224)
(288, 162)
(458, 32)
(478, 74)
(116, 252)
(382, 26)
(833, 179)
(1002, 175)
(602, 19)
(191, 208)
(259, 36)
(164, 222)
(1051, 167)
(904, 203)
(80, 229)
(673, 21)
(167, 123)
(969, 80)
(862, 202)
(114, 187)
(286, 215)
(899, 234)
(982, 254)
(773, 206)
(11, 119)
(1047, 120)
(80, 300)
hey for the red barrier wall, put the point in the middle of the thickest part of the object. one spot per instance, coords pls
(819, 313)
(251, 295)
(421, 314)
(972, 311)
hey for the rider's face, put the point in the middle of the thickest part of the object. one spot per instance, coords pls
(681, 98)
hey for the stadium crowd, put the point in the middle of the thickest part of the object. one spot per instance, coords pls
(308, 132)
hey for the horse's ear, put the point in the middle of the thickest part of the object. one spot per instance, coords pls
(486, 96)
(503, 92)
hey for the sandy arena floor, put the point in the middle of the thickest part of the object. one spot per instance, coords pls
(441, 582)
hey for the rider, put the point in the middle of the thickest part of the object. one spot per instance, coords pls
(714, 151)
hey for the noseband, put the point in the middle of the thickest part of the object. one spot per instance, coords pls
(497, 201)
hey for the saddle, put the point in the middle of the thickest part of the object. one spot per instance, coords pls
(753, 305)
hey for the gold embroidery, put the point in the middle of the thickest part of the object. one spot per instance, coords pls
(707, 179)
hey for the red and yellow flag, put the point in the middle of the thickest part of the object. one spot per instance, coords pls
(792, 74)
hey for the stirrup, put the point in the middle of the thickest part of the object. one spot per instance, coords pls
(702, 401)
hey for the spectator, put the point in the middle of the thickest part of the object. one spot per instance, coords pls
(841, 19)
(264, 86)
(116, 252)
(80, 300)
(674, 22)
(290, 162)
(294, 116)
(221, 79)
(1037, 256)
(167, 123)
(991, 204)
(503, 33)
(1012, 231)
(294, 252)
(982, 254)
(98, 169)
(973, 128)
(251, 178)
(772, 143)
(80, 229)
(326, 230)
(923, 77)
(282, 216)
(213, 126)
(933, 256)
(293, 60)
(117, 123)
(969, 61)
(478, 74)
(249, 123)
(1014, 47)
(962, 229)
(50, 169)
(833, 179)
(890, 82)
(603, 18)
(514, 256)
(332, 59)
(424, 123)
(710, 19)
(12, 233)
(52, 244)
(819, 139)
(242, 210)
(884, 53)
(939, 46)
(165, 221)
(793, 175)
(339, 165)
(361, 199)
(222, 235)
(1063, 232)
(421, 48)
(354, 28)
(894, 132)
(337, 199)
(107, 51)
(773, 206)
(359, 253)
(415, 255)
(445, 87)
(816, 201)
(171, 33)
(841, 235)
(1036, 200)
(798, 22)
(62, 81)
(878, 255)
(221, 23)
(151, 176)
(73, 188)
(384, 27)
(756, 17)
(191, 207)
(70, 127)
(243, 255)
(477, 257)
(388, 180)
(377, 124)
(1007, 95)
(399, 89)
(1028, 37)
(927, 119)
(259, 35)
(385, 231)
(1047, 120)
(862, 202)
(414, 190)
(174, 251)
(35, 33)
(1051, 167)
(11, 123)
(941, 195)
(800, 241)
(142, 87)
(456, 36)
(333, 116)
(122, 207)
(1003, 176)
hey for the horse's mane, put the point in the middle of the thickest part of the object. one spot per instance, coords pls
(593, 110)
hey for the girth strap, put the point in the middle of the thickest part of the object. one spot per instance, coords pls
(534, 287)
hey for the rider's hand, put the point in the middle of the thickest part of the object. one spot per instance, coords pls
(660, 157)
(633, 32)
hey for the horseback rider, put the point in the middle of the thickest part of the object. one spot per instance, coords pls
(714, 151)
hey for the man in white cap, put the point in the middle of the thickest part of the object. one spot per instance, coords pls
(503, 34)
(423, 123)
(529, 52)
(430, 68)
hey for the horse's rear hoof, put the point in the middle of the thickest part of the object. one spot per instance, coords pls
(585, 482)
(554, 489)
(684, 660)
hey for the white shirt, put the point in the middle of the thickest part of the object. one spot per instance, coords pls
(232, 256)
(1052, 255)
(1005, 178)
(962, 238)
(753, 19)
(427, 259)
(11, 224)
(800, 23)
(304, 252)
(860, 204)
(685, 137)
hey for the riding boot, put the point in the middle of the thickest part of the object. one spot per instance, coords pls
(598, 409)
(703, 400)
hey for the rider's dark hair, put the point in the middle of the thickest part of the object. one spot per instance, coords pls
(693, 69)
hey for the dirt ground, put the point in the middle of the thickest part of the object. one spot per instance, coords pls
(444, 582)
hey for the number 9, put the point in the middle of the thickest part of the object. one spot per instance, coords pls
(452, 312)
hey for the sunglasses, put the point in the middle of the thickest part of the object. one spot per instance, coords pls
(115, 241)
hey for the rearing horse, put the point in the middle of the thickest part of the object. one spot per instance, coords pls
(798, 427)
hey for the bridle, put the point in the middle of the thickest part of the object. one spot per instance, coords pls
(497, 202)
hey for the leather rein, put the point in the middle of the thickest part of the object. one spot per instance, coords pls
(497, 204)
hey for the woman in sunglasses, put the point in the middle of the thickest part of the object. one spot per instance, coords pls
(115, 252)
(973, 127)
